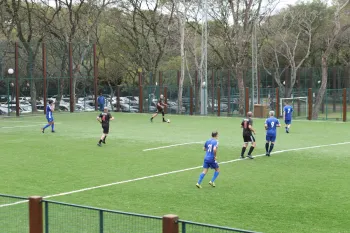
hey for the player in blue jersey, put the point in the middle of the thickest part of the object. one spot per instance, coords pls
(49, 110)
(287, 115)
(271, 125)
(210, 148)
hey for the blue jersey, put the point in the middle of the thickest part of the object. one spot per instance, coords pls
(288, 111)
(209, 149)
(271, 123)
(48, 112)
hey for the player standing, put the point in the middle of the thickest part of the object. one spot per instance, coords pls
(49, 117)
(210, 148)
(160, 108)
(287, 115)
(248, 130)
(104, 119)
(271, 125)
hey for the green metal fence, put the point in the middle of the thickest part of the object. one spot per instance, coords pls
(62, 217)
(14, 217)
(194, 227)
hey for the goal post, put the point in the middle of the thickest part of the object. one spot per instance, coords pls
(299, 104)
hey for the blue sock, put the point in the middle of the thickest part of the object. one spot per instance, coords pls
(214, 176)
(46, 126)
(53, 127)
(201, 176)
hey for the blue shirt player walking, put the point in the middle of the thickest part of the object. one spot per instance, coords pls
(287, 115)
(210, 148)
(49, 117)
(271, 125)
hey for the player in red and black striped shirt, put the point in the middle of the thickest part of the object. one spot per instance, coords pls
(104, 119)
(160, 108)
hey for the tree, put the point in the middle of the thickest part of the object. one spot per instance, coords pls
(336, 30)
(290, 37)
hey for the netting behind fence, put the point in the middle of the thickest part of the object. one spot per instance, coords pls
(14, 216)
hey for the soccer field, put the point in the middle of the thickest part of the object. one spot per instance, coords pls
(152, 168)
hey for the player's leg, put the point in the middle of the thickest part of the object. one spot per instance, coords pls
(288, 126)
(201, 176)
(52, 126)
(271, 146)
(216, 174)
(46, 126)
(244, 147)
(267, 145)
(154, 115)
(101, 139)
(253, 144)
(163, 115)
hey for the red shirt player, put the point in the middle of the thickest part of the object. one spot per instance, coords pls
(160, 108)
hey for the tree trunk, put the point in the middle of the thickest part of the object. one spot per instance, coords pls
(32, 83)
(197, 91)
(182, 77)
(322, 89)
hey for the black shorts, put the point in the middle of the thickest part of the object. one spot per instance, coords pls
(105, 129)
(160, 110)
(247, 139)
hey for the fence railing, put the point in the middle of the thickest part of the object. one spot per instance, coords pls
(36, 215)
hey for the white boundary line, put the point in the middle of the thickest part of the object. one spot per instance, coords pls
(172, 172)
(181, 144)
(23, 126)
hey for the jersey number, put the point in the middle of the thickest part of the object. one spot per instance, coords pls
(288, 110)
(272, 124)
(210, 146)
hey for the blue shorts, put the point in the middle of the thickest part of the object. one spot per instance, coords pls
(270, 138)
(209, 164)
(287, 122)
(49, 119)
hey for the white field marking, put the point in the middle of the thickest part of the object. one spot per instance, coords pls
(181, 144)
(14, 203)
(23, 126)
(172, 172)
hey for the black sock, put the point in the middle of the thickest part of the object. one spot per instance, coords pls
(104, 139)
(251, 150)
(151, 118)
(267, 147)
(243, 150)
(271, 147)
(99, 142)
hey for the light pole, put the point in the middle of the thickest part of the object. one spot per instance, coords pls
(10, 72)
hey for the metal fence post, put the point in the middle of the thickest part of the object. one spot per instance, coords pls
(309, 100)
(71, 99)
(219, 109)
(228, 93)
(191, 100)
(246, 101)
(35, 215)
(101, 221)
(170, 224)
(95, 77)
(166, 98)
(44, 76)
(344, 104)
(17, 79)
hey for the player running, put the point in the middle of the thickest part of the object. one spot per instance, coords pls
(210, 148)
(104, 119)
(271, 125)
(287, 115)
(50, 121)
(248, 130)
(160, 108)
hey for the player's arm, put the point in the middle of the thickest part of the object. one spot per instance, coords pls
(266, 125)
(98, 118)
(251, 128)
(215, 150)
(52, 107)
(111, 117)
(278, 124)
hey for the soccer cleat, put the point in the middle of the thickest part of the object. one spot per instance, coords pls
(268, 154)
(104, 142)
(99, 144)
(53, 131)
(249, 156)
(242, 157)
(42, 130)
(198, 186)
(151, 119)
(212, 184)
